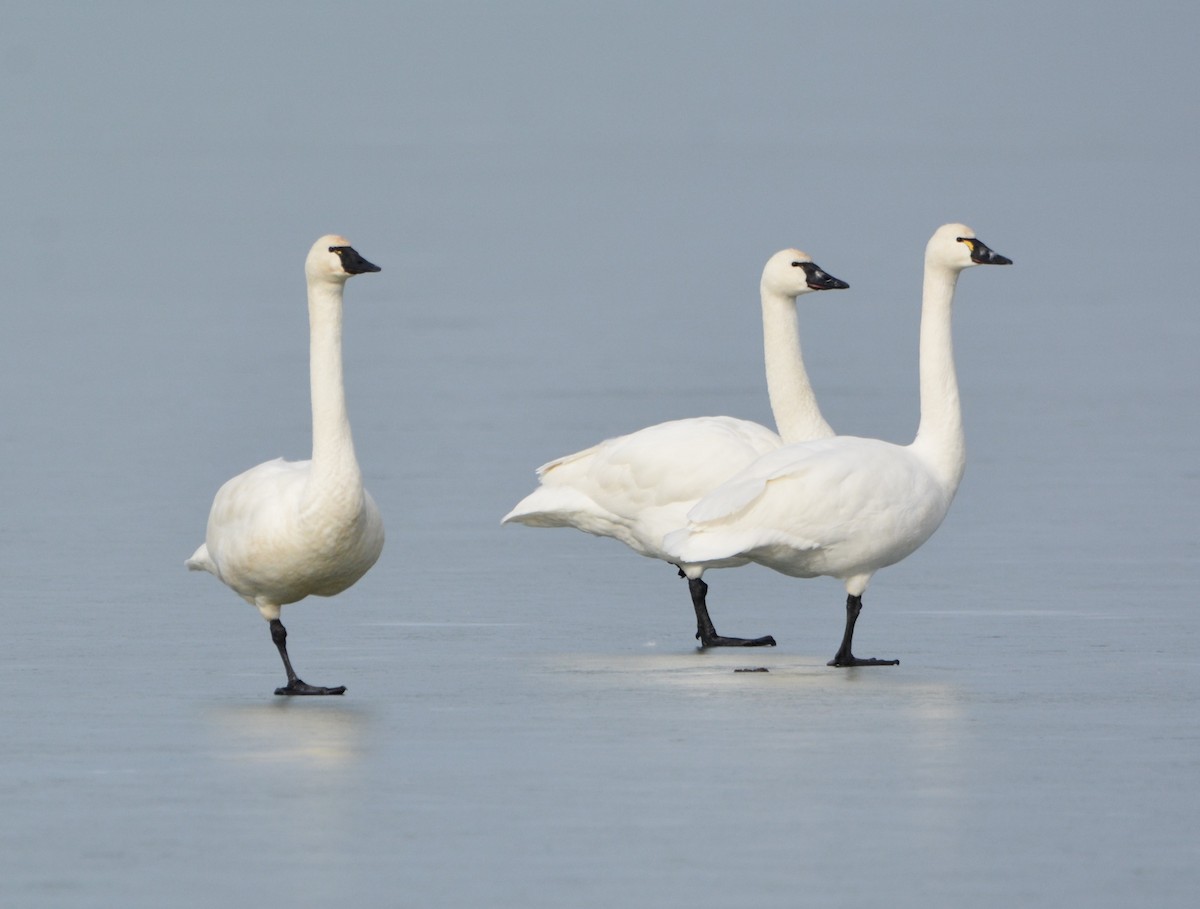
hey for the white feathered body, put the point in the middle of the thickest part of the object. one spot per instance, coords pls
(275, 539)
(842, 507)
(637, 487)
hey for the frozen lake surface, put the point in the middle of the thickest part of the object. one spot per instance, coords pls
(1016, 755)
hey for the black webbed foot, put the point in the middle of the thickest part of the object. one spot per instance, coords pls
(852, 660)
(718, 640)
(844, 656)
(298, 687)
(295, 685)
(706, 634)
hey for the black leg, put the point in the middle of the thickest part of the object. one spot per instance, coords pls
(706, 634)
(295, 685)
(844, 656)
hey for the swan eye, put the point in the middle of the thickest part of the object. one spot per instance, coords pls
(797, 265)
(970, 243)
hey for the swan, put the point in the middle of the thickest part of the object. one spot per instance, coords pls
(636, 487)
(285, 530)
(845, 507)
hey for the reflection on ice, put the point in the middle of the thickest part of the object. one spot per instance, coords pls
(737, 669)
(285, 731)
(694, 669)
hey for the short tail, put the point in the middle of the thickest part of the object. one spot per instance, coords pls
(201, 561)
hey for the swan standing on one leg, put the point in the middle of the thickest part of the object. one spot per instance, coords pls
(846, 507)
(636, 487)
(285, 530)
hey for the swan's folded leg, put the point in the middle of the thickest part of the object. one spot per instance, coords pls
(295, 685)
(844, 657)
(706, 634)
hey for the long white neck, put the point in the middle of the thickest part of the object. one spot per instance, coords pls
(797, 415)
(940, 439)
(334, 465)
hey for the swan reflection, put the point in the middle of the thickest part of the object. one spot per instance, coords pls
(324, 735)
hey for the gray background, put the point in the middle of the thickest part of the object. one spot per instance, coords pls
(571, 204)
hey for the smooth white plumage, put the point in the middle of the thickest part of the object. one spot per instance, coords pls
(637, 487)
(285, 530)
(846, 506)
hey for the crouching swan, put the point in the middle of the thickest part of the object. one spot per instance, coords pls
(845, 507)
(636, 487)
(285, 530)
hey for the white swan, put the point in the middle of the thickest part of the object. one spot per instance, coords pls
(636, 487)
(285, 530)
(846, 507)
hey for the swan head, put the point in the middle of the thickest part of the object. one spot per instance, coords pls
(332, 258)
(956, 247)
(791, 272)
